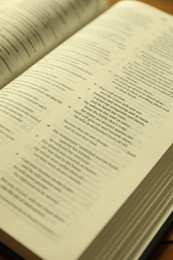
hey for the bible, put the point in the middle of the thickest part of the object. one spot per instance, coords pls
(86, 128)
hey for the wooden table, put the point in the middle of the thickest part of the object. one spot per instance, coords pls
(165, 5)
(164, 251)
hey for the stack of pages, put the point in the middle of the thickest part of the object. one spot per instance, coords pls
(86, 128)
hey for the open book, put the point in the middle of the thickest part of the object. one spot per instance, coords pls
(86, 156)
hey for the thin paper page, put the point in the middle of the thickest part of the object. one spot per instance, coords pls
(107, 44)
(31, 29)
(87, 133)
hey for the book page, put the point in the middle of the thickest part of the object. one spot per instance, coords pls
(3, 2)
(30, 29)
(84, 125)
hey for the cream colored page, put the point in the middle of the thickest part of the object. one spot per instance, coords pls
(106, 43)
(3, 1)
(30, 29)
(78, 135)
